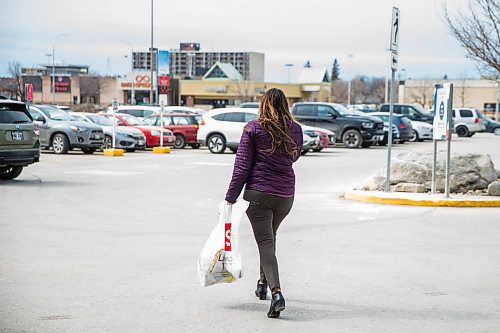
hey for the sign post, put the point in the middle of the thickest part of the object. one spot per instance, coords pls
(442, 128)
(113, 151)
(161, 122)
(394, 67)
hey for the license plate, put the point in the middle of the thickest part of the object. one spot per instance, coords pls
(17, 135)
(170, 140)
(141, 142)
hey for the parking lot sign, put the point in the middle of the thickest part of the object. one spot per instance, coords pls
(395, 23)
(442, 112)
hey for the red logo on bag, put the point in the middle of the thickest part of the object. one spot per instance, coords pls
(227, 243)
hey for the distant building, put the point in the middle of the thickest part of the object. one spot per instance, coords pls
(141, 61)
(59, 69)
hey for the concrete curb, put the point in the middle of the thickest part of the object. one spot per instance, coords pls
(161, 150)
(421, 199)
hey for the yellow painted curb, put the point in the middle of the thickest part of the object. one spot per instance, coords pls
(161, 150)
(424, 202)
(113, 152)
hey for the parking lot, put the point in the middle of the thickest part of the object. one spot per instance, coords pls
(90, 243)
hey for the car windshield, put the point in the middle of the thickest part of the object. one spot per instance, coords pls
(421, 109)
(13, 114)
(342, 110)
(131, 120)
(102, 121)
(55, 114)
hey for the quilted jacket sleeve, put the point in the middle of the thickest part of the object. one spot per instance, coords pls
(243, 164)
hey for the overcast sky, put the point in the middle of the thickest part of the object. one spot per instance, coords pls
(287, 31)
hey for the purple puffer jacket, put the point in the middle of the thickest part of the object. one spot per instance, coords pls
(262, 171)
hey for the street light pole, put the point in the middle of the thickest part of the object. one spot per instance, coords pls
(54, 68)
(349, 83)
(289, 67)
(151, 55)
(132, 98)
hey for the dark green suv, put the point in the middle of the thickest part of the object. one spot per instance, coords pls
(19, 145)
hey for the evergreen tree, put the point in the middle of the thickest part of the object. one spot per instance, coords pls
(335, 70)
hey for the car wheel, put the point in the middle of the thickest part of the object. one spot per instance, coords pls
(88, 150)
(60, 144)
(304, 152)
(216, 144)
(462, 131)
(10, 172)
(180, 141)
(497, 131)
(194, 145)
(414, 136)
(352, 139)
(108, 142)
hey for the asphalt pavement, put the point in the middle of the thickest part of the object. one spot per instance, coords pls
(110, 244)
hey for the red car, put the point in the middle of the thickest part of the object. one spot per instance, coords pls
(184, 126)
(327, 139)
(152, 133)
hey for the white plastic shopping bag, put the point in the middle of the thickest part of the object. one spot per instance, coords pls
(220, 259)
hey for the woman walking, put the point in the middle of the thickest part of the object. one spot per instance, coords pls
(268, 148)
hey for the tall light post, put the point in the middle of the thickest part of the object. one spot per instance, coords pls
(54, 68)
(289, 67)
(132, 98)
(151, 55)
(349, 83)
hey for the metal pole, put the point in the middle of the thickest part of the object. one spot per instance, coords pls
(434, 161)
(151, 54)
(161, 122)
(386, 97)
(389, 136)
(497, 110)
(448, 152)
(54, 72)
(156, 71)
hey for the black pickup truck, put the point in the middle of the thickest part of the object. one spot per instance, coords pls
(351, 129)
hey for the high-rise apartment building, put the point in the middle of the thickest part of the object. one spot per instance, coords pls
(190, 63)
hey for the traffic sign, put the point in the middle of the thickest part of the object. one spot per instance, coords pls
(28, 88)
(395, 23)
(394, 61)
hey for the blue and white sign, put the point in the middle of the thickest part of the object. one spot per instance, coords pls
(163, 63)
(442, 112)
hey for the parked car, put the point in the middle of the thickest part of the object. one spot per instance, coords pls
(403, 124)
(19, 144)
(139, 111)
(352, 129)
(183, 125)
(310, 140)
(411, 111)
(127, 138)
(421, 131)
(491, 126)
(59, 132)
(467, 122)
(250, 105)
(326, 137)
(222, 128)
(152, 133)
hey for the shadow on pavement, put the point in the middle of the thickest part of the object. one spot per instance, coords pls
(303, 311)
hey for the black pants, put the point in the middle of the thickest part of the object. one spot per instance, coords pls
(266, 212)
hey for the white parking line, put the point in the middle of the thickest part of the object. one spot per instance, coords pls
(104, 173)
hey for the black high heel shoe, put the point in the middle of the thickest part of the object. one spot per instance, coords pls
(261, 291)
(277, 305)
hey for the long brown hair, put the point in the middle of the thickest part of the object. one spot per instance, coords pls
(274, 117)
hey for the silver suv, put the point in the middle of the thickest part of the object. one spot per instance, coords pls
(57, 130)
(467, 122)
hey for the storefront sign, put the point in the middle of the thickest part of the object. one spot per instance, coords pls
(62, 84)
(141, 81)
(216, 89)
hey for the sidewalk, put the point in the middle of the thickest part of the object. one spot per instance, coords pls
(422, 199)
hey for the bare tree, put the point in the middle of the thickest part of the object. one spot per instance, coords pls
(243, 89)
(423, 93)
(14, 70)
(478, 30)
(339, 91)
(462, 90)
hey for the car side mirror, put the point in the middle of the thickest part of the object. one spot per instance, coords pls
(41, 119)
